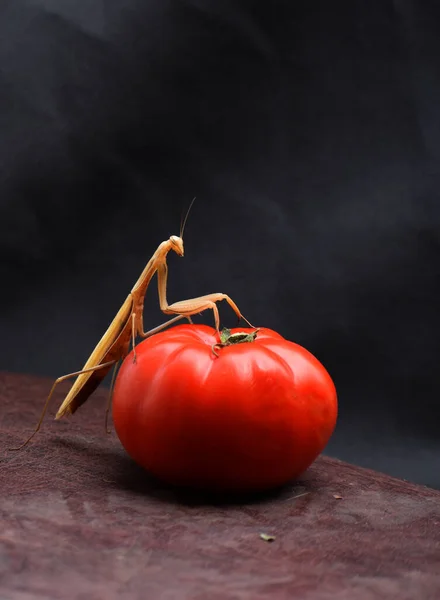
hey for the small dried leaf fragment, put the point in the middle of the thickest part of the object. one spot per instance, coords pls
(267, 538)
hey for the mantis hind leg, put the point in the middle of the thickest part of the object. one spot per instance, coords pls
(57, 381)
(110, 395)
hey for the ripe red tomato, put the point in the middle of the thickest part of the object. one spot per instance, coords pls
(253, 418)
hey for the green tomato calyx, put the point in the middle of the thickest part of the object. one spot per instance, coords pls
(240, 337)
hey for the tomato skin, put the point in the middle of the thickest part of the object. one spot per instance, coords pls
(253, 418)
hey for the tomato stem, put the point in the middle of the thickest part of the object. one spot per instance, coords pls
(240, 337)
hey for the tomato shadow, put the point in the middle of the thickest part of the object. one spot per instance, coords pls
(136, 480)
(105, 465)
(133, 478)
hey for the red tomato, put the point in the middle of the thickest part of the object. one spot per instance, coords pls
(253, 418)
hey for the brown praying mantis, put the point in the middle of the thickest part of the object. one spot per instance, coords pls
(128, 324)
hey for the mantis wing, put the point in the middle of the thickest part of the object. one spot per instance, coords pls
(112, 347)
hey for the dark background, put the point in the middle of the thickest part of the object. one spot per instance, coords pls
(310, 134)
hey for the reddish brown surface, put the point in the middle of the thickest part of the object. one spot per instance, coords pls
(79, 520)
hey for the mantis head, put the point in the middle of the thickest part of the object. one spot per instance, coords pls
(176, 241)
(177, 244)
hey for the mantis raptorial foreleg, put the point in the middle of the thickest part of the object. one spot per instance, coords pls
(197, 305)
(192, 306)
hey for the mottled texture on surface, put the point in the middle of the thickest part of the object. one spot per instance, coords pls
(79, 520)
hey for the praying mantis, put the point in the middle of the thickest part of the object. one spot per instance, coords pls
(128, 324)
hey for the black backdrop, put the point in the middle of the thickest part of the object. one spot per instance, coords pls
(310, 134)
